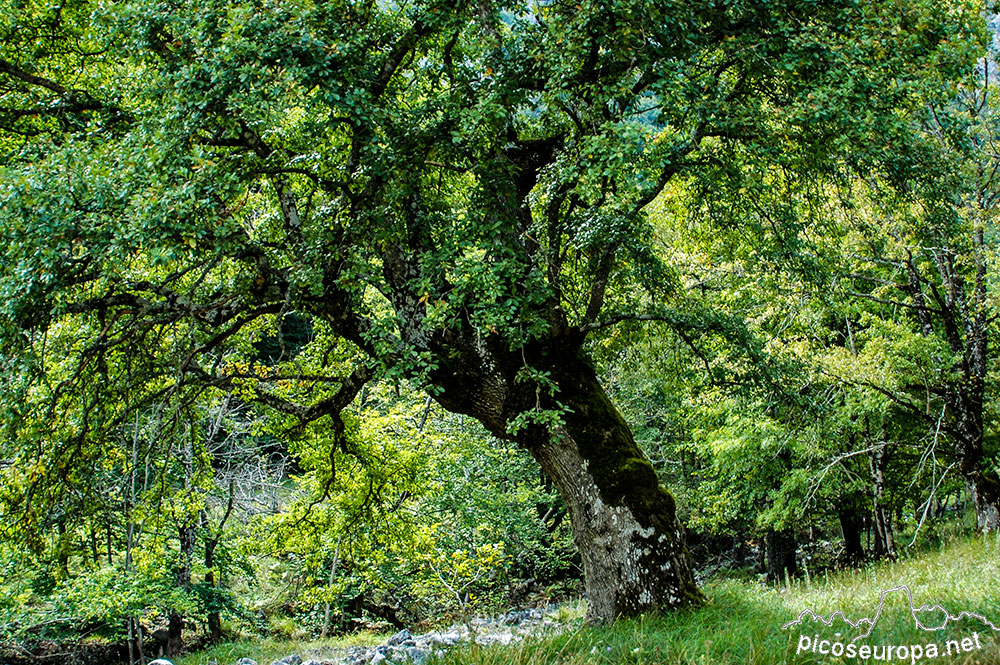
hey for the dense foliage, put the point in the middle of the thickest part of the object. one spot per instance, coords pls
(322, 314)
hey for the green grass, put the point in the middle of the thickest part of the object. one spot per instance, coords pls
(266, 650)
(742, 622)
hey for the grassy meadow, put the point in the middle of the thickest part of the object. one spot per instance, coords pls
(742, 623)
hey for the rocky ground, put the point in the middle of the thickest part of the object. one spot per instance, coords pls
(405, 647)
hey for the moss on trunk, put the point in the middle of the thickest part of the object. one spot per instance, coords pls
(624, 522)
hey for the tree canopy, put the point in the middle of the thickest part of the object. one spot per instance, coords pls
(455, 195)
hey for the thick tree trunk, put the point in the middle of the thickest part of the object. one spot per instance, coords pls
(851, 522)
(624, 524)
(739, 551)
(884, 542)
(965, 404)
(175, 634)
(982, 481)
(781, 561)
(984, 488)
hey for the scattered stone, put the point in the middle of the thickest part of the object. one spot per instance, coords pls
(160, 661)
(294, 659)
(405, 648)
(356, 655)
(418, 655)
(495, 638)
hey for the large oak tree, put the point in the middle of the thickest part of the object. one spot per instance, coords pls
(452, 192)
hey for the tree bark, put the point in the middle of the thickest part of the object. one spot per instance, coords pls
(63, 548)
(983, 481)
(739, 551)
(175, 626)
(624, 524)
(884, 545)
(333, 576)
(966, 404)
(214, 618)
(631, 544)
(175, 631)
(984, 488)
(781, 561)
(963, 314)
(851, 522)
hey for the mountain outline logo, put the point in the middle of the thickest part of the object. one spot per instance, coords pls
(872, 621)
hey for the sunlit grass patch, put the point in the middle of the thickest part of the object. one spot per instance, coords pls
(742, 623)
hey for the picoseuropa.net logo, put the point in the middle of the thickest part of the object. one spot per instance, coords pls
(928, 618)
